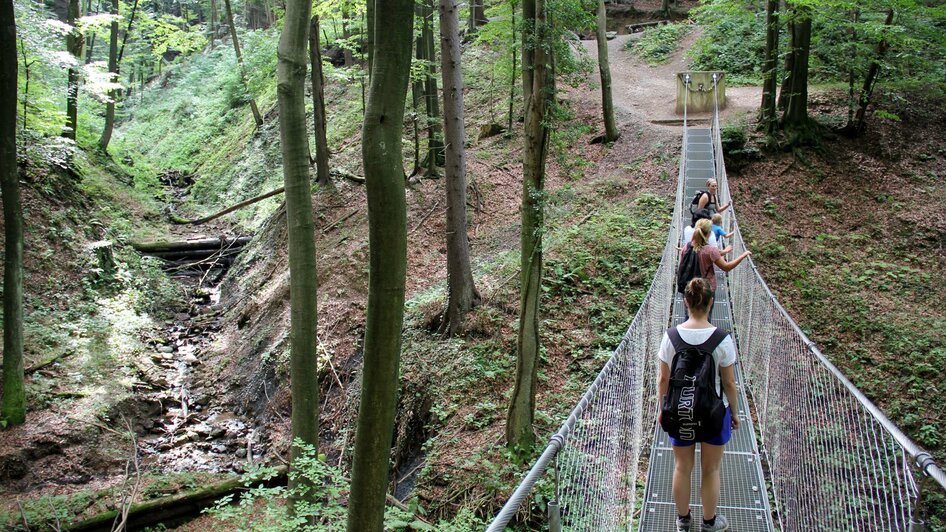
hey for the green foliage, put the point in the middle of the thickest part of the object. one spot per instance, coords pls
(263, 509)
(844, 40)
(733, 40)
(657, 44)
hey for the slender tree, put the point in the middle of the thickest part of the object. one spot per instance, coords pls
(74, 42)
(538, 91)
(318, 104)
(795, 116)
(768, 120)
(346, 34)
(387, 239)
(13, 405)
(513, 51)
(611, 132)
(114, 68)
(239, 56)
(870, 79)
(477, 15)
(462, 294)
(431, 93)
(303, 283)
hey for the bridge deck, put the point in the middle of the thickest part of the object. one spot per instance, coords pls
(743, 498)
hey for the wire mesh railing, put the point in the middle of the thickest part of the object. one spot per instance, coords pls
(597, 450)
(835, 462)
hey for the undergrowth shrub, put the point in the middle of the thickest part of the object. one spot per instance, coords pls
(265, 509)
(657, 44)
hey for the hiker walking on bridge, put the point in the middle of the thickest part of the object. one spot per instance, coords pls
(697, 333)
(709, 200)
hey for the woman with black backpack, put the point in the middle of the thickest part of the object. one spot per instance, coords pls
(695, 357)
(698, 258)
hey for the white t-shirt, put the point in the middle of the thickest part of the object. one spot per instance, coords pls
(688, 237)
(725, 353)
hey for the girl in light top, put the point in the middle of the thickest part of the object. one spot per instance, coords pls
(698, 298)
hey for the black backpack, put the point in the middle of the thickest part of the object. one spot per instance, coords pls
(695, 204)
(692, 410)
(689, 267)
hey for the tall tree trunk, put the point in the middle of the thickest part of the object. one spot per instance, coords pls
(239, 56)
(512, 78)
(13, 405)
(786, 89)
(871, 78)
(477, 15)
(419, 84)
(519, 432)
(346, 34)
(387, 241)
(796, 110)
(768, 119)
(318, 104)
(416, 90)
(114, 66)
(431, 93)
(462, 294)
(113, 77)
(303, 283)
(611, 132)
(74, 43)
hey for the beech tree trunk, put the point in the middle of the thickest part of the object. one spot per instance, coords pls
(239, 56)
(74, 42)
(303, 283)
(796, 108)
(318, 104)
(519, 431)
(13, 404)
(462, 294)
(346, 34)
(387, 240)
(114, 66)
(431, 93)
(611, 132)
(512, 80)
(871, 78)
(768, 119)
(786, 89)
(477, 15)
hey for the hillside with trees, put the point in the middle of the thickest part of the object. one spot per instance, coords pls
(271, 265)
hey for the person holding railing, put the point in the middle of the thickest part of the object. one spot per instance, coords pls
(697, 332)
(709, 199)
(708, 256)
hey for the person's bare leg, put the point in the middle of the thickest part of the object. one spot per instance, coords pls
(711, 456)
(682, 468)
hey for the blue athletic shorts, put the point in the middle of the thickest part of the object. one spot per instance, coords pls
(722, 439)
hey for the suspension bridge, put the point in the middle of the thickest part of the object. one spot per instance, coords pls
(812, 452)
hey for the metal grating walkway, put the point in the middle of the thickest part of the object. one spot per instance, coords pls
(743, 498)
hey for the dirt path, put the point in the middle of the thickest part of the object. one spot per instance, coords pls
(648, 92)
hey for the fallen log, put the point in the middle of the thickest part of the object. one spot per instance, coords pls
(196, 254)
(188, 245)
(177, 509)
(174, 509)
(178, 220)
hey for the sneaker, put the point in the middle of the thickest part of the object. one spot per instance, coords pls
(683, 523)
(720, 524)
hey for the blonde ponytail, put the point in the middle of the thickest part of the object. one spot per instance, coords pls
(701, 233)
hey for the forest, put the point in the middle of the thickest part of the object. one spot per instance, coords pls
(341, 265)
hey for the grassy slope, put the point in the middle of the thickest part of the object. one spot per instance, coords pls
(849, 238)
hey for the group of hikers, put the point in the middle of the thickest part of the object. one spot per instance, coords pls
(697, 383)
